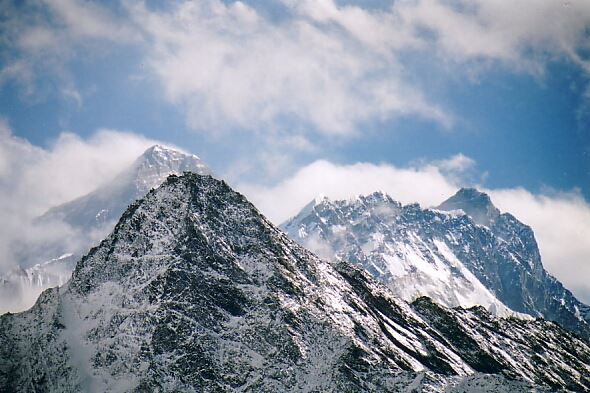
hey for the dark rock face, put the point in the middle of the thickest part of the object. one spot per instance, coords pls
(475, 204)
(194, 290)
(486, 257)
(536, 336)
(516, 274)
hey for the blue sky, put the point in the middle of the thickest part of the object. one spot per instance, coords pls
(484, 93)
(522, 130)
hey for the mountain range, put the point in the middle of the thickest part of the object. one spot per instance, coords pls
(195, 290)
(464, 252)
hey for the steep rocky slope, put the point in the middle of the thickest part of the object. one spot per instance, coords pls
(195, 290)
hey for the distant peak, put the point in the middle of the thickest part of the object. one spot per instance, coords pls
(157, 162)
(379, 195)
(160, 150)
(474, 203)
(472, 193)
(154, 149)
(160, 154)
(376, 197)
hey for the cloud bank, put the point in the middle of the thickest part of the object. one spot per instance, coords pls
(232, 67)
(561, 221)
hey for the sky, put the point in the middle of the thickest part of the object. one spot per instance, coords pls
(288, 99)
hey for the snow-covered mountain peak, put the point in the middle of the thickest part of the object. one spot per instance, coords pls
(92, 216)
(442, 253)
(375, 198)
(319, 199)
(378, 233)
(369, 203)
(158, 154)
(105, 204)
(336, 215)
(157, 162)
(474, 203)
(194, 290)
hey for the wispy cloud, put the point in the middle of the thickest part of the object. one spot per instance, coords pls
(322, 65)
(232, 67)
(513, 32)
(40, 38)
(33, 179)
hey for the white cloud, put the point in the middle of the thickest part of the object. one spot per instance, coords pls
(334, 67)
(561, 221)
(426, 185)
(40, 38)
(231, 67)
(456, 163)
(83, 20)
(321, 65)
(33, 179)
(524, 33)
(74, 95)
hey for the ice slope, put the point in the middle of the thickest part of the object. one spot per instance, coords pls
(195, 290)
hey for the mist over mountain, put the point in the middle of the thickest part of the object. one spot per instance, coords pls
(101, 208)
(88, 220)
(194, 290)
(126, 265)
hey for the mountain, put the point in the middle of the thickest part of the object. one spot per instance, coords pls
(196, 291)
(477, 205)
(482, 258)
(91, 217)
(396, 244)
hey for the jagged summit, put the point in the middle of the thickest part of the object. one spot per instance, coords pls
(369, 199)
(482, 258)
(380, 235)
(474, 203)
